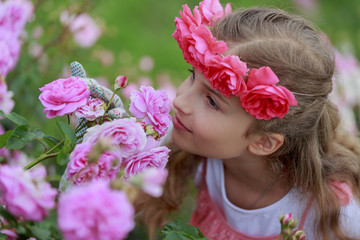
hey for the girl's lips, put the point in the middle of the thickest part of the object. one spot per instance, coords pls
(178, 124)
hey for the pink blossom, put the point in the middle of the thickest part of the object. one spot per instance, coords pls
(211, 11)
(10, 233)
(286, 218)
(95, 212)
(151, 180)
(261, 76)
(308, 5)
(195, 40)
(63, 96)
(124, 133)
(226, 74)
(146, 63)
(266, 102)
(263, 99)
(155, 157)
(79, 169)
(153, 106)
(345, 63)
(14, 14)
(25, 193)
(93, 109)
(120, 82)
(6, 103)
(37, 32)
(9, 51)
(86, 32)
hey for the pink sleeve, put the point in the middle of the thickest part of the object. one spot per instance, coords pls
(342, 191)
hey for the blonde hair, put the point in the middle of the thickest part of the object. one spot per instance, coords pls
(315, 150)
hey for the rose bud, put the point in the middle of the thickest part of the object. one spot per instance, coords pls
(120, 82)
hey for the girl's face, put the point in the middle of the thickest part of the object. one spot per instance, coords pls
(208, 124)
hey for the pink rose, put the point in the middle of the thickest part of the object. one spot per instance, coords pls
(10, 233)
(152, 106)
(86, 32)
(155, 157)
(211, 11)
(151, 180)
(120, 82)
(25, 193)
(263, 99)
(79, 169)
(63, 96)
(226, 74)
(285, 219)
(124, 133)
(95, 212)
(14, 14)
(93, 109)
(9, 51)
(261, 76)
(195, 40)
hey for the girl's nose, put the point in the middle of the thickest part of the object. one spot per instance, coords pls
(182, 102)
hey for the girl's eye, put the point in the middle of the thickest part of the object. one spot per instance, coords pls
(212, 103)
(192, 73)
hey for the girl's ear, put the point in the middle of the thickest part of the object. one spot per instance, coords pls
(266, 144)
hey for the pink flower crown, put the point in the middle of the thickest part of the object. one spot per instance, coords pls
(259, 95)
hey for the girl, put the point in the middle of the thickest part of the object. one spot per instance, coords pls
(253, 125)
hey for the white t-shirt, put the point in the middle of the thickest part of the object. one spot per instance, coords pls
(265, 221)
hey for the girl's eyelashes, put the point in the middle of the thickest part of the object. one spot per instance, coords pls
(212, 103)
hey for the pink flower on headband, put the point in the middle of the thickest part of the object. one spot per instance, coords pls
(263, 99)
(225, 74)
(211, 11)
(259, 96)
(195, 40)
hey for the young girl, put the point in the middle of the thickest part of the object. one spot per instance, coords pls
(254, 127)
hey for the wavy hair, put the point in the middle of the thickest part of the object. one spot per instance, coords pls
(315, 150)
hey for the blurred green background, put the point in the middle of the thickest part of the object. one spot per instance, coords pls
(133, 29)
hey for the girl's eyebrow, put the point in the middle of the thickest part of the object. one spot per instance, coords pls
(217, 93)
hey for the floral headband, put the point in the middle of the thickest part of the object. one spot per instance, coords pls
(259, 95)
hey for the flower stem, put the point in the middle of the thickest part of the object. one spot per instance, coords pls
(108, 105)
(40, 159)
(44, 156)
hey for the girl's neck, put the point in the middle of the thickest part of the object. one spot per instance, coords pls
(249, 185)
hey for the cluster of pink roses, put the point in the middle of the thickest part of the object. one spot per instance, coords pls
(112, 149)
(259, 95)
(13, 16)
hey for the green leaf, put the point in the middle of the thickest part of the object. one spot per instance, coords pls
(175, 236)
(181, 229)
(66, 131)
(4, 138)
(15, 118)
(19, 137)
(40, 231)
(63, 157)
(38, 133)
(3, 236)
